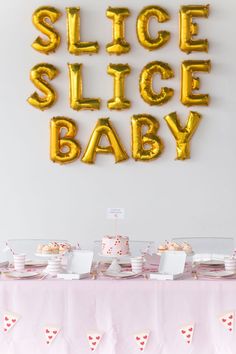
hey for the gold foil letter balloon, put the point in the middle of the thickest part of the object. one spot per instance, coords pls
(75, 46)
(182, 135)
(146, 83)
(64, 147)
(118, 45)
(142, 27)
(188, 29)
(42, 19)
(77, 101)
(119, 71)
(148, 146)
(37, 76)
(189, 83)
(104, 129)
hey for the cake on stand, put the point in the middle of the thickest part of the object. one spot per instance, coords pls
(115, 250)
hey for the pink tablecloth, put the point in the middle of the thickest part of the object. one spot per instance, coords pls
(119, 309)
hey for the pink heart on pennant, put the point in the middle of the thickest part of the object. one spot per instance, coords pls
(223, 319)
(188, 336)
(90, 338)
(230, 317)
(142, 343)
(188, 342)
(230, 329)
(49, 337)
(190, 329)
(47, 331)
(230, 324)
(94, 343)
(54, 332)
(183, 331)
(137, 338)
(141, 348)
(5, 329)
(8, 325)
(6, 318)
(13, 320)
(144, 337)
(92, 348)
(98, 338)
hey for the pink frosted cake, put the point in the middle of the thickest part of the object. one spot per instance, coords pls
(115, 246)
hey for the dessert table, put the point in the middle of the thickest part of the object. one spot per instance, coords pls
(118, 309)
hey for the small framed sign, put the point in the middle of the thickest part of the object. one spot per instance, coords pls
(115, 213)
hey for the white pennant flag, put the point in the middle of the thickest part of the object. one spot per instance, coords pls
(187, 333)
(51, 333)
(141, 340)
(94, 339)
(228, 321)
(9, 321)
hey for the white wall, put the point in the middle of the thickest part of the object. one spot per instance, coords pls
(163, 198)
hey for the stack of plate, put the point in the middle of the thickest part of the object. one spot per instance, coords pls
(217, 274)
(22, 275)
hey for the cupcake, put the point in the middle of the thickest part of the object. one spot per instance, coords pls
(39, 248)
(187, 248)
(54, 247)
(64, 247)
(171, 247)
(46, 249)
(176, 246)
(162, 248)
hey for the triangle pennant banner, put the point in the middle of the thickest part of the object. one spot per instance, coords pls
(187, 333)
(51, 333)
(228, 321)
(94, 339)
(141, 340)
(9, 321)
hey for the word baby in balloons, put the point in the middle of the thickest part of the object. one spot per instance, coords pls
(145, 146)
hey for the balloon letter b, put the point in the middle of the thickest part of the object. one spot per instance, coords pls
(37, 77)
(188, 29)
(40, 20)
(66, 142)
(183, 135)
(140, 141)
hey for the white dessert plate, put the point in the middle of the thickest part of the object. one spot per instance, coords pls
(22, 275)
(36, 263)
(218, 274)
(49, 255)
(121, 274)
(187, 254)
(212, 263)
(4, 264)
